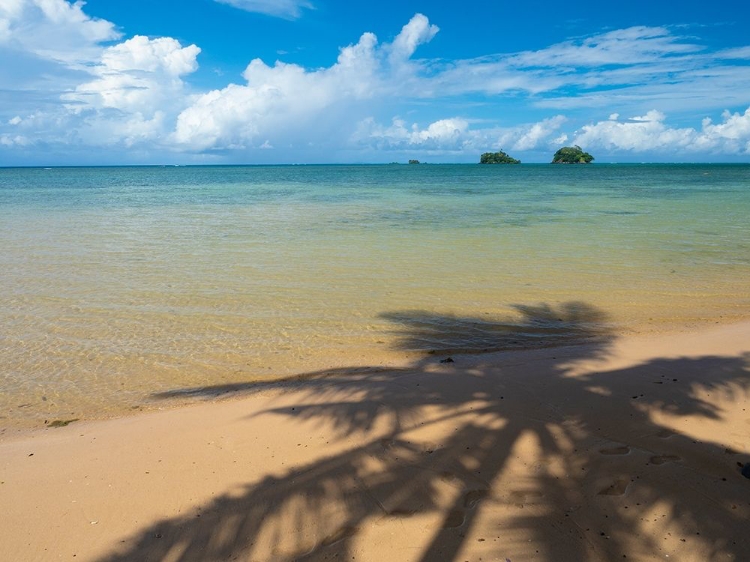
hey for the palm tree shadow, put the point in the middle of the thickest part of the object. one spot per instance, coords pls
(440, 442)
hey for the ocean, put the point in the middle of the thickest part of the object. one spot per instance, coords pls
(122, 284)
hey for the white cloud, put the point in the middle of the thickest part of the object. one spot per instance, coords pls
(634, 69)
(639, 134)
(634, 45)
(132, 89)
(139, 75)
(13, 140)
(616, 58)
(538, 132)
(443, 134)
(740, 53)
(694, 91)
(650, 133)
(417, 32)
(136, 91)
(455, 134)
(280, 99)
(442, 130)
(287, 9)
(151, 55)
(53, 29)
(732, 136)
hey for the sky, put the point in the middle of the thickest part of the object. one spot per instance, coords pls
(110, 82)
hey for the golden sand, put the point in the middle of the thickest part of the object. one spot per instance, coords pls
(619, 448)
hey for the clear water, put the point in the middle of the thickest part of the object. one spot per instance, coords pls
(119, 283)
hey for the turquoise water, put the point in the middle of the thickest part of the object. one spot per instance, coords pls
(119, 283)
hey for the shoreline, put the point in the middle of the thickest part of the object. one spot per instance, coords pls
(622, 446)
(392, 360)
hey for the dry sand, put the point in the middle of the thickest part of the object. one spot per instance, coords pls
(623, 448)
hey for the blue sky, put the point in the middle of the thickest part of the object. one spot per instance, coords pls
(318, 81)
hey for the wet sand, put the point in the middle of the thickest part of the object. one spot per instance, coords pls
(619, 448)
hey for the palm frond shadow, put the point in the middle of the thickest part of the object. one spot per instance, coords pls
(578, 500)
(573, 323)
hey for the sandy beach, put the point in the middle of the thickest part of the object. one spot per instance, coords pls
(619, 448)
(315, 280)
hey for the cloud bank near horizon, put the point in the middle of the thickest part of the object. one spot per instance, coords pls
(98, 92)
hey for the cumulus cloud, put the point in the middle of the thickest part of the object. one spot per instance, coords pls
(538, 132)
(416, 32)
(283, 97)
(641, 133)
(53, 29)
(131, 87)
(287, 9)
(138, 75)
(443, 134)
(650, 133)
(736, 126)
(136, 85)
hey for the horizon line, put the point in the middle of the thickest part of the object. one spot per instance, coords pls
(248, 165)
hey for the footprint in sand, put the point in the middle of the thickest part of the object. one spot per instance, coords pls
(457, 517)
(473, 497)
(446, 476)
(665, 434)
(617, 488)
(661, 459)
(621, 450)
(521, 497)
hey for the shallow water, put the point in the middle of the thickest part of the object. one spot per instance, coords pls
(119, 283)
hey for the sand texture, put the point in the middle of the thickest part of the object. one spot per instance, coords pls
(619, 448)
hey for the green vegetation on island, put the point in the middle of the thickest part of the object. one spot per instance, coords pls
(497, 158)
(572, 155)
(414, 162)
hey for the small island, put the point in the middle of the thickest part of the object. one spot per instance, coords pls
(414, 162)
(497, 158)
(572, 155)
